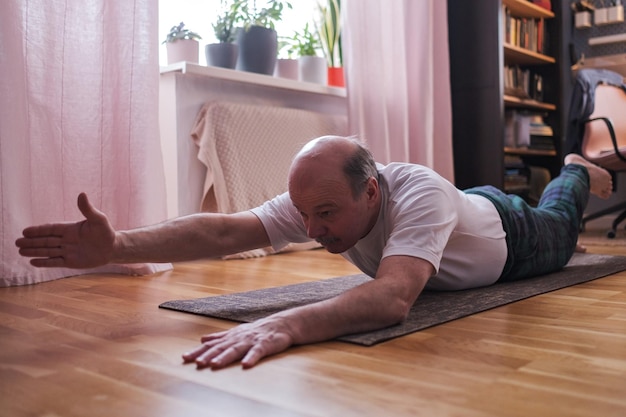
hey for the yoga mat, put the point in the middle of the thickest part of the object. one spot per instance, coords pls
(430, 309)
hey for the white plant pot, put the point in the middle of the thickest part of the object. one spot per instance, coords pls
(183, 50)
(286, 68)
(313, 69)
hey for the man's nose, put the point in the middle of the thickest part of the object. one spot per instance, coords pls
(315, 229)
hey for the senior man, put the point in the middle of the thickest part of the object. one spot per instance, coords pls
(402, 224)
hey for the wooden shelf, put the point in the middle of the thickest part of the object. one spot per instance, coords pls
(524, 8)
(516, 188)
(521, 56)
(529, 152)
(252, 78)
(512, 101)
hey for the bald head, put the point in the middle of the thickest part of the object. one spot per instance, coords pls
(333, 184)
(333, 158)
(326, 146)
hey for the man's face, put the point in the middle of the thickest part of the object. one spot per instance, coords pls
(331, 214)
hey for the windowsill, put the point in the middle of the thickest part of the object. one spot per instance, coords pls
(252, 78)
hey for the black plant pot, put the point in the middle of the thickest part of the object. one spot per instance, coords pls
(222, 55)
(258, 49)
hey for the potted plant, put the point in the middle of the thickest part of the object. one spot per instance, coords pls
(257, 39)
(329, 29)
(287, 62)
(311, 67)
(224, 52)
(182, 44)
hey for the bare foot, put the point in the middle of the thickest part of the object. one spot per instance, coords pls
(601, 183)
(580, 248)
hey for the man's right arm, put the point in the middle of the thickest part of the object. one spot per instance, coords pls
(197, 236)
(94, 242)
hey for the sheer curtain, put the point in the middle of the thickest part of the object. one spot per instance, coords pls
(79, 100)
(397, 75)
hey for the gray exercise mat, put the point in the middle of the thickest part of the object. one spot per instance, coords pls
(430, 309)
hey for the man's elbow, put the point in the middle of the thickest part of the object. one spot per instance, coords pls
(398, 310)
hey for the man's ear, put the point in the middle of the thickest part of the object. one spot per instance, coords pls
(372, 189)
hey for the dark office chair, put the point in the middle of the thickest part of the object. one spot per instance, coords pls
(601, 128)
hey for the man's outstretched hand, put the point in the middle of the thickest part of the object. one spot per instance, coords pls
(247, 343)
(84, 244)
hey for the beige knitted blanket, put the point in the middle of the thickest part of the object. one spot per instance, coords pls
(247, 150)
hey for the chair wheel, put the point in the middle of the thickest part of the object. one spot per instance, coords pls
(610, 234)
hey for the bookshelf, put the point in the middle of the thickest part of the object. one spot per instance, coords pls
(488, 58)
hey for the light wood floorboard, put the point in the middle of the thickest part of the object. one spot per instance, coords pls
(99, 346)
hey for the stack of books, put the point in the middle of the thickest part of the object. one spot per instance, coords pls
(516, 175)
(522, 83)
(541, 134)
(527, 130)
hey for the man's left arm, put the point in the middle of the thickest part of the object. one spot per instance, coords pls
(379, 303)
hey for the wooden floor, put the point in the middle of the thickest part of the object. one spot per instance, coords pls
(98, 345)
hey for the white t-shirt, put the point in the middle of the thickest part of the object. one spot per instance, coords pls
(422, 215)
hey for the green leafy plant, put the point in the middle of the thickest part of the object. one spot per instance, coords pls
(285, 48)
(178, 32)
(305, 43)
(224, 26)
(329, 29)
(265, 16)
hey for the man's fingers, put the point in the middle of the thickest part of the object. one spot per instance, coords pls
(253, 356)
(33, 234)
(38, 243)
(248, 343)
(193, 354)
(220, 356)
(213, 336)
(88, 210)
(48, 262)
(42, 230)
(41, 252)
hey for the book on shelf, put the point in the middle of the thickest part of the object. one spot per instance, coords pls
(523, 32)
(541, 134)
(522, 83)
(541, 143)
(537, 126)
(523, 129)
(516, 174)
(523, 179)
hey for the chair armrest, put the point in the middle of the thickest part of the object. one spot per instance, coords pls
(611, 130)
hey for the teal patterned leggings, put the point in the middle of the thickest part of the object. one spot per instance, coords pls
(541, 239)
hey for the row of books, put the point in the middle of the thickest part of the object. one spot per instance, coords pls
(525, 180)
(516, 175)
(524, 32)
(522, 83)
(527, 130)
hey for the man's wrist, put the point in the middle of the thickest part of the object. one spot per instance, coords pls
(118, 251)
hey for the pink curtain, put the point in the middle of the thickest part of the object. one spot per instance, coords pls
(397, 75)
(79, 100)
